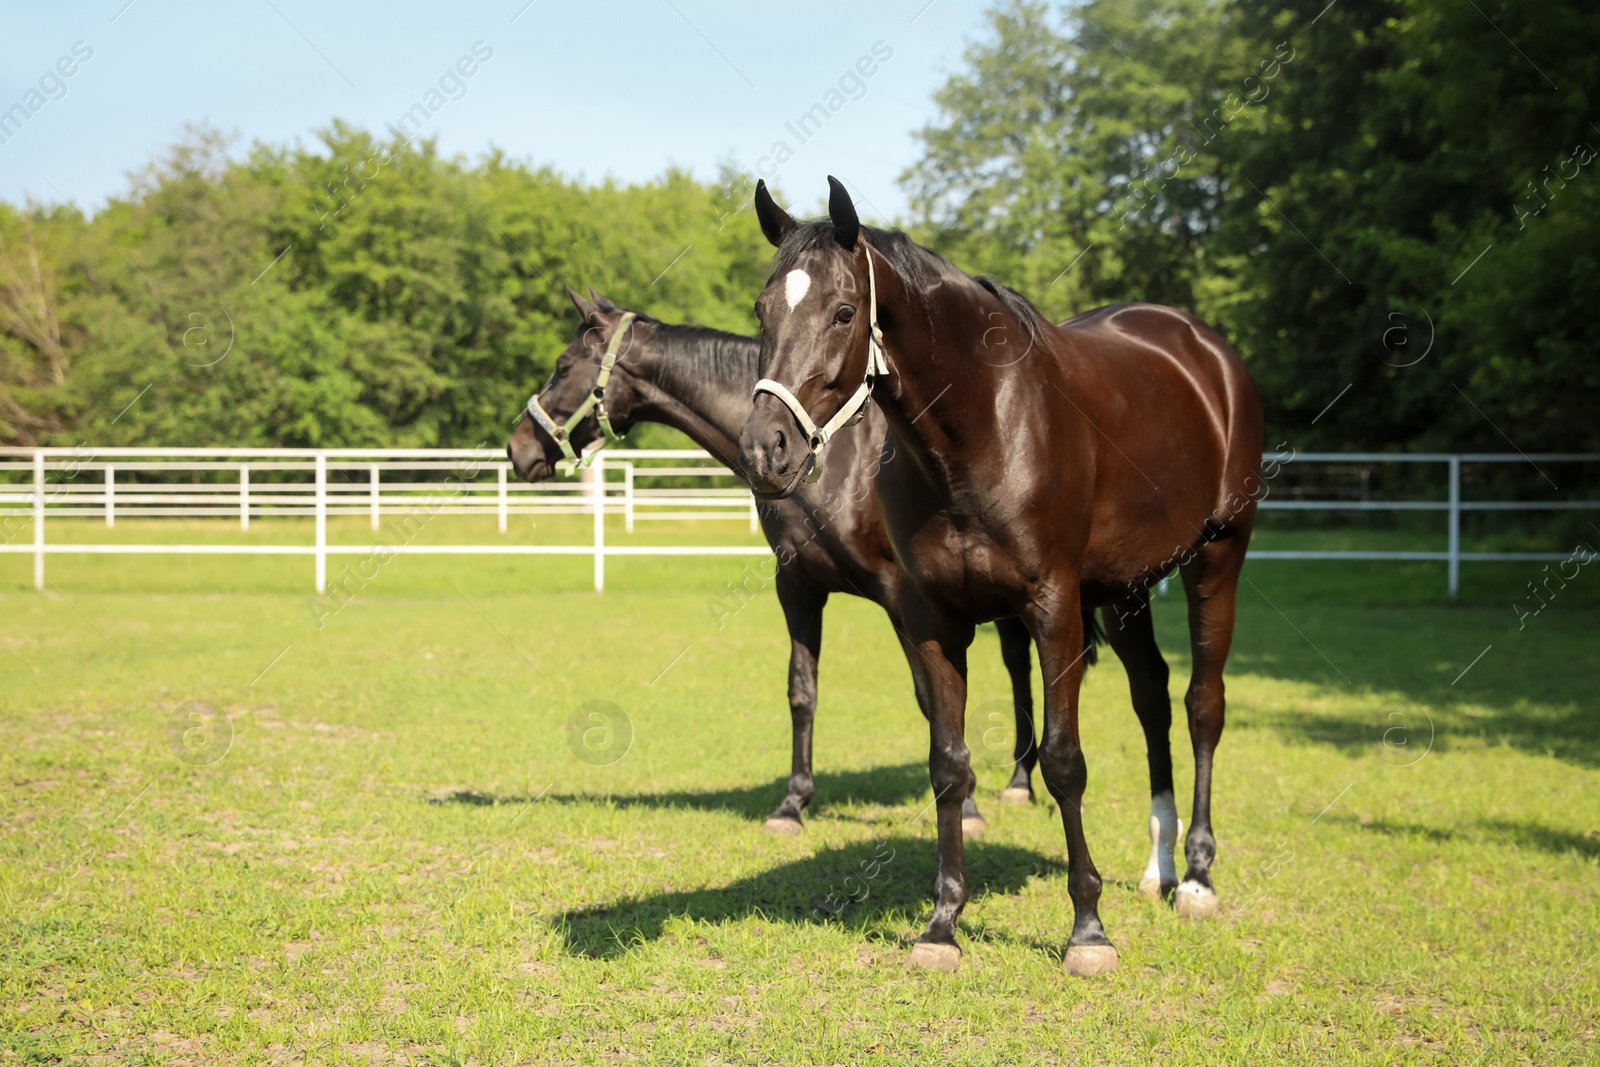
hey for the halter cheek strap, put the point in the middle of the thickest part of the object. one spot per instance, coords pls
(855, 408)
(595, 401)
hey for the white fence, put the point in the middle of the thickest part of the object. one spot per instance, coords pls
(355, 481)
(1453, 505)
(346, 482)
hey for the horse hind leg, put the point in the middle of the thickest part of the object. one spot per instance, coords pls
(1016, 651)
(1131, 633)
(1211, 580)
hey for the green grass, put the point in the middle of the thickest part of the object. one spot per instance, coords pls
(399, 857)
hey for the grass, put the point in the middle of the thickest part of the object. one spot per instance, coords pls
(398, 856)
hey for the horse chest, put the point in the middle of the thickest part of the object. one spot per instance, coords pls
(960, 562)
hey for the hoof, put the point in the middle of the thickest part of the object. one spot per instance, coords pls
(1154, 889)
(935, 957)
(785, 827)
(1018, 797)
(1085, 960)
(973, 827)
(1194, 901)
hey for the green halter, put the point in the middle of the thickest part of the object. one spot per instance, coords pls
(595, 401)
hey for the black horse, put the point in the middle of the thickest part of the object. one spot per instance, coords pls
(828, 537)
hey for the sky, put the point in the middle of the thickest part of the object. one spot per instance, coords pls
(597, 89)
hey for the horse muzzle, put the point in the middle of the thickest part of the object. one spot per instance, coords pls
(526, 453)
(774, 458)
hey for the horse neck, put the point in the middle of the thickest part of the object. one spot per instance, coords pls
(699, 382)
(936, 400)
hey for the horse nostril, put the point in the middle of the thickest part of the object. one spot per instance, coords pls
(778, 442)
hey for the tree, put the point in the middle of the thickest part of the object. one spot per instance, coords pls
(1316, 180)
(359, 293)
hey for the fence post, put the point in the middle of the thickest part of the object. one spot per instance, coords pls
(1455, 526)
(244, 496)
(627, 499)
(500, 469)
(598, 473)
(372, 479)
(322, 523)
(111, 496)
(38, 519)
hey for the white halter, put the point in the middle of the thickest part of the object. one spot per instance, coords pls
(817, 437)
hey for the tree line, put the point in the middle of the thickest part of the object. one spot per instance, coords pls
(1389, 207)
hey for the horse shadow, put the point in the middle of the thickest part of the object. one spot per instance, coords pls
(1520, 834)
(889, 786)
(861, 885)
(1524, 695)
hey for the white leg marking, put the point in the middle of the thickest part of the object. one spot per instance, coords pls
(1164, 829)
(795, 286)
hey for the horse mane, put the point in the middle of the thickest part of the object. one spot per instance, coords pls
(920, 266)
(1034, 322)
(697, 356)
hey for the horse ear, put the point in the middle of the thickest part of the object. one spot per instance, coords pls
(603, 302)
(586, 308)
(775, 222)
(842, 210)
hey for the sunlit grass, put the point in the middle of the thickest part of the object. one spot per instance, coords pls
(398, 853)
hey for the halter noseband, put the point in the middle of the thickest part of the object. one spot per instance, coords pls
(854, 409)
(595, 401)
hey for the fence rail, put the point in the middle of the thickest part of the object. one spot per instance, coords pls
(356, 481)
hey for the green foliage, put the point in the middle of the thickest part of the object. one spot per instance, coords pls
(1316, 180)
(1338, 188)
(416, 300)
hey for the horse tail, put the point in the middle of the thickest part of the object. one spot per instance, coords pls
(1094, 635)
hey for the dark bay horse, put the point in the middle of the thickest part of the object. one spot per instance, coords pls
(828, 538)
(1039, 470)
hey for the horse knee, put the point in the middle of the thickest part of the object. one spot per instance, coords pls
(950, 770)
(1063, 767)
(1206, 705)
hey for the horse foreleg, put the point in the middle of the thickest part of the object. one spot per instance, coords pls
(1059, 635)
(937, 647)
(973, 824)
(802, 611)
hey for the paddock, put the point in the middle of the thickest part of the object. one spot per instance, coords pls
(395, 829)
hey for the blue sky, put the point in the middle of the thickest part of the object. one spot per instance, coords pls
(594, 89)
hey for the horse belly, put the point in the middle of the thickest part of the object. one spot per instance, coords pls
(1147, 528)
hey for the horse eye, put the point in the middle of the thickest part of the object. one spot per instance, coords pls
(844, 314)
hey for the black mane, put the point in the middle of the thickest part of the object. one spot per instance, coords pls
(695, 357)
(920, 267)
